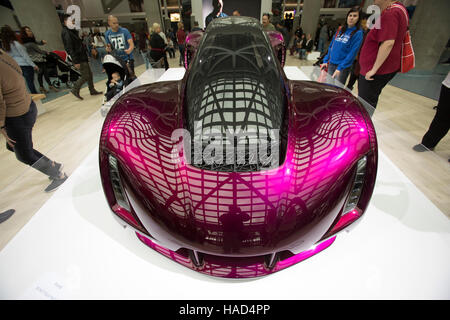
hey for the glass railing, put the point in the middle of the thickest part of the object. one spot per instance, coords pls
(399, 139)
(26, 194)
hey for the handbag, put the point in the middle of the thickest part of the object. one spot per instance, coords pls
(408, 57)
(323, 76)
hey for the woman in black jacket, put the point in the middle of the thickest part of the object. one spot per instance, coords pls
(38, 56)
(158, 46)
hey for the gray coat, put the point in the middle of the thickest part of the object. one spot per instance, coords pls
(35, 53)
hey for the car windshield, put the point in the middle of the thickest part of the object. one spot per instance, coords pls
(234, 83)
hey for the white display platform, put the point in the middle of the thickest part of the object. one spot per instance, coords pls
(73, 248)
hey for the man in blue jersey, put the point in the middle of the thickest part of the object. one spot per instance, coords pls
(120, 41)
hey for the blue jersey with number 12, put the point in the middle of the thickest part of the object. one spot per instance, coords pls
(119, 42)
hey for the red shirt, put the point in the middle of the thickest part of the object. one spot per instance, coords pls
(181, 36)
(393, 26)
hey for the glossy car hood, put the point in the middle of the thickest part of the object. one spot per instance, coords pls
(237, 213)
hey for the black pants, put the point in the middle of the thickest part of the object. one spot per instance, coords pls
(440, 125)
(181, 49)
(370, 91)
(28, 74)
(166, 62)
(158, 55)
(352, 80)
(43, 73)
(20, 129)
(171, 52)
(131, 64)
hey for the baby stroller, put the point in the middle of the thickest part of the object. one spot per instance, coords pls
(112, 63)
(60, 67)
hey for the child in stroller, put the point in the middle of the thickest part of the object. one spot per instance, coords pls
(119, 75)
(115, 86)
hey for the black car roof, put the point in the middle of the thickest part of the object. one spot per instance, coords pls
(234, 82)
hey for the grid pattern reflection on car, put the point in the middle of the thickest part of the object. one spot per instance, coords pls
(234, 89)
(236, 116)
(229, 207)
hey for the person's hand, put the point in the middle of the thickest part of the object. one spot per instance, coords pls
(36, 68)
(370, 74)
(9, 141)
(336, 74)
(323, 66)
(128, 51)
(77, 66)
(44, 42)
(108, 48)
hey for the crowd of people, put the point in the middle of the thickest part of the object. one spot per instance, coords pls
(370, 56)
(21, 59)
(24, 49)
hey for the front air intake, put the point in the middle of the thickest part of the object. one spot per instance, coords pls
(358, 183)
(116, 184)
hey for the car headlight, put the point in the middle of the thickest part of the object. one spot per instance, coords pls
(357, 187)
(116, 183)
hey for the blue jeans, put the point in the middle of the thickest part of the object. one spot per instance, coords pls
(28, 74)
(342, 76)
(145, 57)
(101, 53)
(321, 45)
(302, 53)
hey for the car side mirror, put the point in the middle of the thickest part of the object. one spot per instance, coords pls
(192, 42)
(279, 47)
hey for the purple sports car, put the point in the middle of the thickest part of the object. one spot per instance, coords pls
(236, 171)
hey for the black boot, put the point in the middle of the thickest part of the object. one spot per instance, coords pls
(76, 94)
